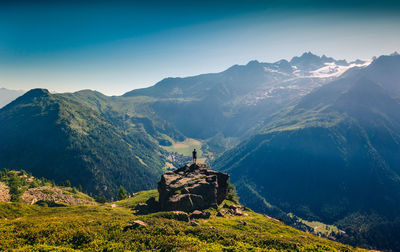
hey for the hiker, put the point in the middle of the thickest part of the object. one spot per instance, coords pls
(194, 156)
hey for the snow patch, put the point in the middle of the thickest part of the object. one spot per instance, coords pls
(266, 69)
(331, 69)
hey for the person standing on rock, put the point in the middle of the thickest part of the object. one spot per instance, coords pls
(194, 156)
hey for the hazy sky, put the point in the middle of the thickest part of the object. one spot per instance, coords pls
(117, 46)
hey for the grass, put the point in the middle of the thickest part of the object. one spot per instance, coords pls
(139, 197)
(186, 147)
(100, 228)
(319, 227)
(84, 196)
(322, 228)
(304, 120)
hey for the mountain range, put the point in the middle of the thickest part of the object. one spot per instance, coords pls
(315, 137)
(333, 157)
(234, 102)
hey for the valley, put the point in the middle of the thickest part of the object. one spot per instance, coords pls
(312, 141)
(229, 125)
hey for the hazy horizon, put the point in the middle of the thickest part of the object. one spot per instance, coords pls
(115, 48)
(152, 84)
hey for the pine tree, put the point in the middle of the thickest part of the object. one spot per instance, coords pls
(101, 199)
(122, 193)
(67, 183)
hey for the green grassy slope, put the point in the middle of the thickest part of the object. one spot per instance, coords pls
(100, 228)
(64, 137)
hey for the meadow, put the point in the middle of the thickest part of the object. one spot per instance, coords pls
(101, 228)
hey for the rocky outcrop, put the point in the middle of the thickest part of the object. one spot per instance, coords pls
(4, 193)
(193, 187)
(54, 194)
(233, 210)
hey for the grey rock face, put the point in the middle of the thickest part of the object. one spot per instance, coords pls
(192, 188)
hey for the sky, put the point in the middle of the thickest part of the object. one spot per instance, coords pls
(117, 46)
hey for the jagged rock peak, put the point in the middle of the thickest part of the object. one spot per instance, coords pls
(192, 187)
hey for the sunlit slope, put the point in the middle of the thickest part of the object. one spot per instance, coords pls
(100, 228)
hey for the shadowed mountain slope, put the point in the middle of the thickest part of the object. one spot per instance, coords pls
(333, 157)
(66, 137)
(237, 101)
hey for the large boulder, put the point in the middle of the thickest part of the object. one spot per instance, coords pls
(192, 187)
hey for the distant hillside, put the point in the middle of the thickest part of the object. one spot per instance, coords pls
(7, 96)
(80, 137)
(334, 157)
(237, 101)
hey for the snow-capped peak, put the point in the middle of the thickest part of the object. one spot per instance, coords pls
(331, 69)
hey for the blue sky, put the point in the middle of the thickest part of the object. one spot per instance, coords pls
(117, 46)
